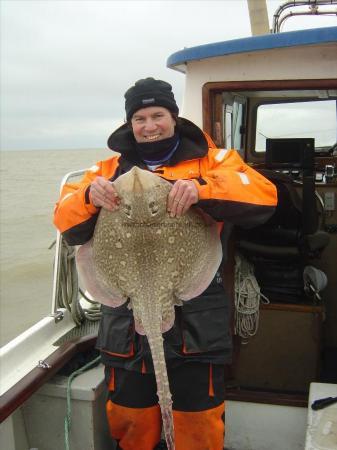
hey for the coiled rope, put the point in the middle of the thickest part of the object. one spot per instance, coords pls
(68, 292)
(247, 299)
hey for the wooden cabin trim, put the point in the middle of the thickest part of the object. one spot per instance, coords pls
(266, 397)
(295, 307)
(31, 382)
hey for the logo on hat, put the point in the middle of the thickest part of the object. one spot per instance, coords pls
(147, 101)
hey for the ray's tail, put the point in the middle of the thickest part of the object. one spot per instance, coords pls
(155, 339)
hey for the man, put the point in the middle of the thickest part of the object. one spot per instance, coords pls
(199, 344)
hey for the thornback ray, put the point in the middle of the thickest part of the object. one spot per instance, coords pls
(141, 254)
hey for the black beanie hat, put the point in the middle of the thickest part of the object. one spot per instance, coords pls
(149, 92)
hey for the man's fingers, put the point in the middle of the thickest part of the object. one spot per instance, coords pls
(105, 187)
(182, 204)
(183, 194)
(103, 194)
(172, 197)
(110, 189)
(173, 203)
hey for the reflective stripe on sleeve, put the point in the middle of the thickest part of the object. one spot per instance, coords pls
(244, 178)
(220, 156)
(66, 196)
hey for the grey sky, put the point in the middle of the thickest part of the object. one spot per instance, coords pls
(65, 65)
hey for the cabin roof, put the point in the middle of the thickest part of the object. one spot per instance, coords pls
(252, 44)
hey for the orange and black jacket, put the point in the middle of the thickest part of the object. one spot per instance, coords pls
(229, 190)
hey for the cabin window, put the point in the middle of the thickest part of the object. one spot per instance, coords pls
(242, 114)
(229, 116)
(233, 117)
(298, 119)
(237, 124)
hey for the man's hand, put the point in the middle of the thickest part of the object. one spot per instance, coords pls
(103, 194)
(183, 194)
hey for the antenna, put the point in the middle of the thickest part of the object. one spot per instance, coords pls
(258, 16)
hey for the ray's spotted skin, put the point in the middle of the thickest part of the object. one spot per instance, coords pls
(141, 254)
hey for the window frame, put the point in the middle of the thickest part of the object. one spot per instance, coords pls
(212, 106)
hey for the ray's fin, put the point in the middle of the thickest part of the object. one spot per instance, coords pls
(99, 292)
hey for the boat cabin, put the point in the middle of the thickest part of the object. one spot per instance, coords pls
(274, 99)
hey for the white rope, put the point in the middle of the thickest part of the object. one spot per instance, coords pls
(247, 299)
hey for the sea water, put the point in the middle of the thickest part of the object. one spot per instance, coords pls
(30, 183)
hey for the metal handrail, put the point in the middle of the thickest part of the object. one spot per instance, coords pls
(313, 10)
(58, 252)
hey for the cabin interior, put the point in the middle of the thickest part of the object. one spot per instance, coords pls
(286, 130)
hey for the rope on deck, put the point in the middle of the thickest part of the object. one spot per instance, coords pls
(247, 299)
(69, 290)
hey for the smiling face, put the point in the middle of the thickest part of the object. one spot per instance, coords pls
(153, 123)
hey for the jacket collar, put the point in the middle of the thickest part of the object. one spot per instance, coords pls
(193, 143)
